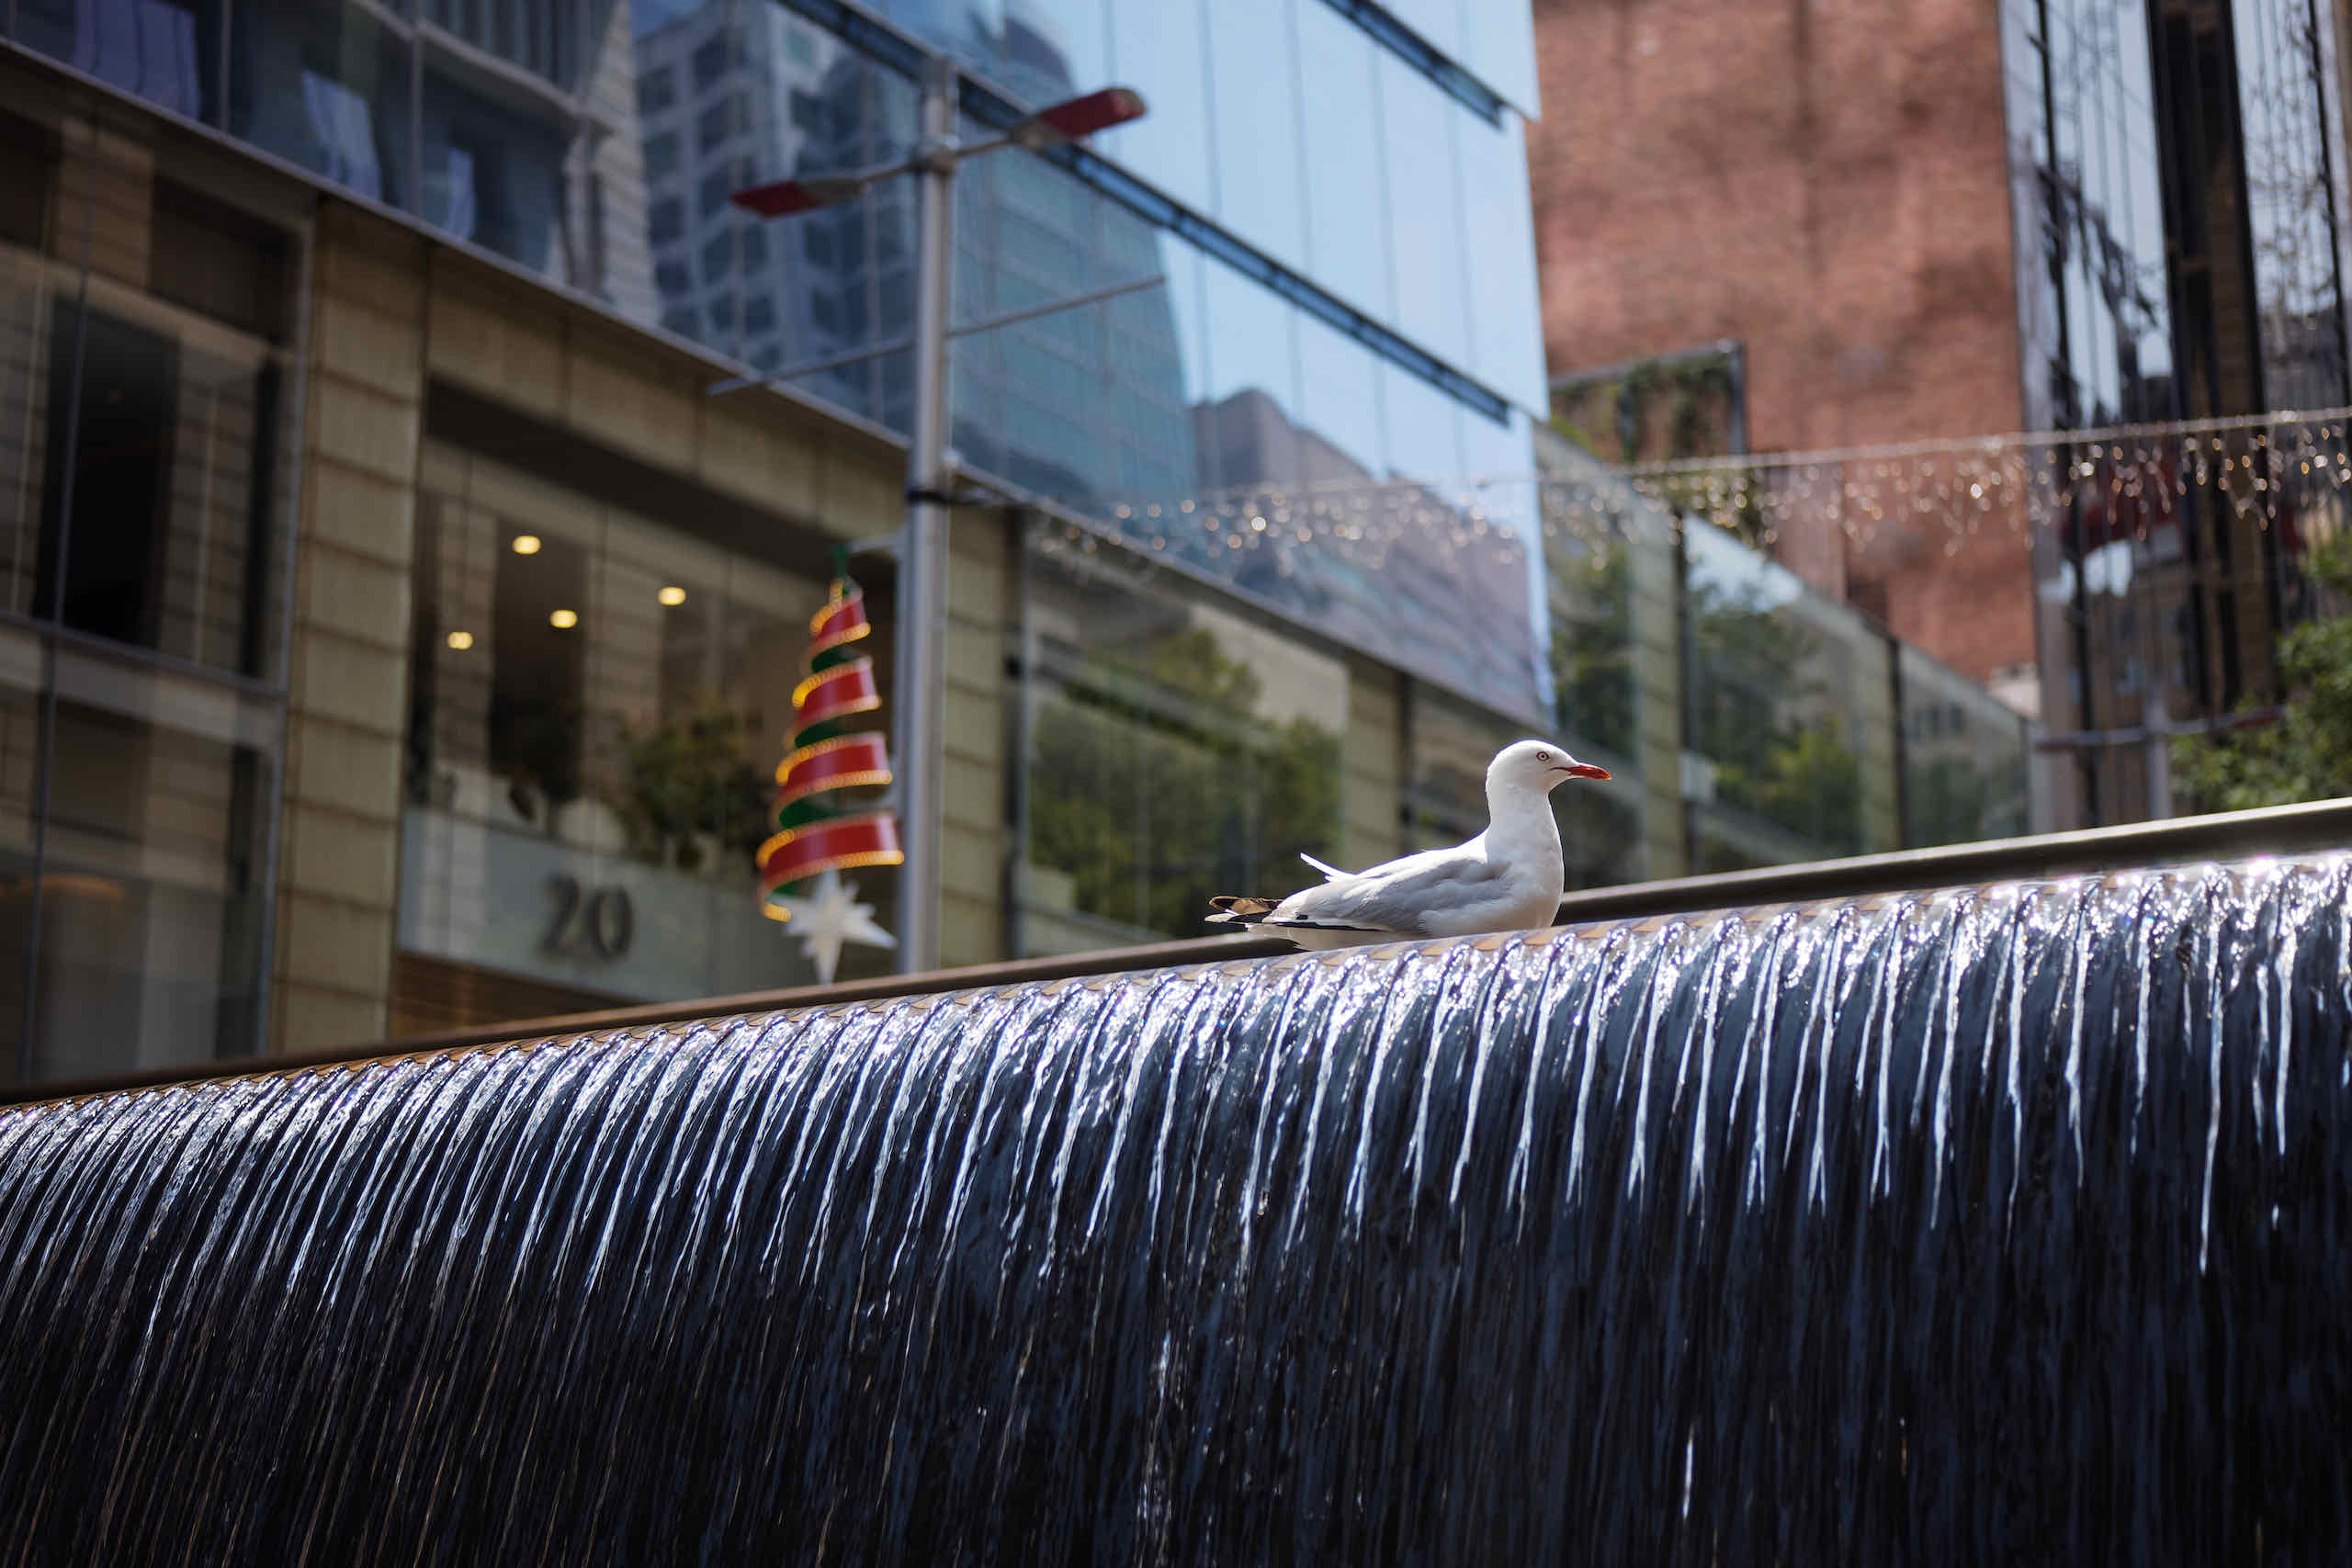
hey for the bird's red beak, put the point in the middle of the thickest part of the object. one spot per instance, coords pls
(1585, 770)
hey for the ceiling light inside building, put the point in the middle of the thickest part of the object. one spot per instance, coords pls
(527, 544)
(461, 640)
(564, 620)
(673, 594)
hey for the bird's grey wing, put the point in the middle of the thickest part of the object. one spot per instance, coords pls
(1397, 898)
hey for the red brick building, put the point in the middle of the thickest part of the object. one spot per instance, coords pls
(1827, 186)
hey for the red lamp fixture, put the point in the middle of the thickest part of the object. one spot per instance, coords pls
(1072, 120)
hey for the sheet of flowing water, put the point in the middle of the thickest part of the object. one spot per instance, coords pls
(2000, 1228)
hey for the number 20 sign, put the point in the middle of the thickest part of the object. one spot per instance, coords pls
(600, 921)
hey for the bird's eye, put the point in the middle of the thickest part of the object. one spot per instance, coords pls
(1543, 756)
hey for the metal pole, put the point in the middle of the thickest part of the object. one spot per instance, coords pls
(923, 561)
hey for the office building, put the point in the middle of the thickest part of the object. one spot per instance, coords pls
(405, 630)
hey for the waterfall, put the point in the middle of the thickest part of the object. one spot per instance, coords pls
(2007, 1224)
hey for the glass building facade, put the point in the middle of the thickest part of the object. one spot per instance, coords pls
(1301, 444)
(2180, 204)
(145, 497)
(1327, 200)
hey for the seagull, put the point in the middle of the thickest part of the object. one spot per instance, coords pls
(1507, 878)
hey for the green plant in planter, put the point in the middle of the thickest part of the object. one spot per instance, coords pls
(688, 781)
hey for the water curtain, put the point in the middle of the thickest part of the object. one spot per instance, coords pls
(2000, 1225)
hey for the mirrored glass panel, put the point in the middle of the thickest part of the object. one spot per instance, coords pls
(150, 870)
(599, 701)
(1498, 248)
(1160, 50)
(527, 137)
(1347, 192)
(1052, 50)
(1260, 178)
(1495, 35)
(1174, 751)
(1084, 402)
(1424, 208)
(327, 87)
(150, 446)
(167, 51)
(1790, 701)
(1965, 757)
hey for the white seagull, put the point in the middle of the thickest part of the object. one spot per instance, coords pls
(1507, 878)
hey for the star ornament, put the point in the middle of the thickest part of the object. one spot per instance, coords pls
(828, 917)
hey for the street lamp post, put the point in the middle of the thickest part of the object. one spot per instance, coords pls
(919, 687)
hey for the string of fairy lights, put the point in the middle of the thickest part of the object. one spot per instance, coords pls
(2104, 485)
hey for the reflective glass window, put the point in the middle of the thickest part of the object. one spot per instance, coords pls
(2287, 78)
(665, 221)
(153, 896)
(598, 698)
(1158, 50)
(967, 29)
(843, 279)
(1174, 751)
(1611, 621)
(1496, 46)
(1260, 179)
(657, 90)
(496, 145)
(167, 51)
(326, 87)
(1340, 397)
(1051, 50)
(1783, 689)
(1347, 194)
(715, 125)
(1249, 436)
(1424, 208)
(1460, 582)
(1965, 757)
(1498, 226)
(161, 466)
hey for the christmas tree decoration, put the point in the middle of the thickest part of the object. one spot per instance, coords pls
(818, 835)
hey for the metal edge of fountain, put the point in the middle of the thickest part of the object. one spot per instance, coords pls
(2234, 841)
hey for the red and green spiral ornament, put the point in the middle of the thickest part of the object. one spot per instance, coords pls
(817, 830)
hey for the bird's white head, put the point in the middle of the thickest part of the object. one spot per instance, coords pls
(1537, 765)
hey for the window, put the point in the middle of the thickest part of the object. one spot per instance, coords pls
(667, 221)
(807, 112)
(716, 187)
(718, 259)
(1175, 752)
(758, 314)
(683, 320)
(661, 155)
(755, 248)
(673, 278)
(172, 470)
(596, 721)
(656, 91)
(710, 63)
(718, 123)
